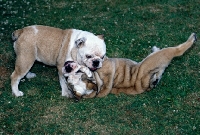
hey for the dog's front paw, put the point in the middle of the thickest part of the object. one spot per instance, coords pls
(18, 94)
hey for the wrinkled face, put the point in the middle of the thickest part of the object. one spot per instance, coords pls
(73, 71)
(92, 52)
(92, 58)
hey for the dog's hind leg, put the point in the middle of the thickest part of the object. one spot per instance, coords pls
(172, 52)
(22, 66)
(180, 49)
(155, 63)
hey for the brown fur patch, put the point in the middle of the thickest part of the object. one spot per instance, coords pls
(126, 76)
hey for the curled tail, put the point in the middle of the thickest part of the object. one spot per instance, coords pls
(16, 34)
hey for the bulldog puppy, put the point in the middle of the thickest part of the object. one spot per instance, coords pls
(126, 76)
(79, 79)
(53, 47)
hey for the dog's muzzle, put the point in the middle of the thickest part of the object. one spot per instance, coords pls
(95, 65)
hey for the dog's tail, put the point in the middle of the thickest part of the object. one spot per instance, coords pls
(16, 34)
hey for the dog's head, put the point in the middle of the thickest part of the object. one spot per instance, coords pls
(77, 78)
(91, 51)
(74, 70)
(69, 66)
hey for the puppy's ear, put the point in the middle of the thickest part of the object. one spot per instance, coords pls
(101, 36)
(80, 42)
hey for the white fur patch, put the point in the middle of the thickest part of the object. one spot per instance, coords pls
(38, 59)
(74, 35)
(35, 29)
(155, 49)
(81, 88)
(14, 46)
(15, 89)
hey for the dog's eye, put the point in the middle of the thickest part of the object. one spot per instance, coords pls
(102, 57)
(88, 56)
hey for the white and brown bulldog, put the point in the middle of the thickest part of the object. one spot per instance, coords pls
(53, 46)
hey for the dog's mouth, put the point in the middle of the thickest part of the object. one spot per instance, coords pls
(93, 69)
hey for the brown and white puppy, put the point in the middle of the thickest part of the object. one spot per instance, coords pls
(126, 76)
(79, 79)
(53, 47)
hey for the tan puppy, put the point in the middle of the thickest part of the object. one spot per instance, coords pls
(53, 47)
(126, 76)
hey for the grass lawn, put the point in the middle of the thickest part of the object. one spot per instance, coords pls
(131, 28)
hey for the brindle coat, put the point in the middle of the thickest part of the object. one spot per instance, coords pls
(119, 75)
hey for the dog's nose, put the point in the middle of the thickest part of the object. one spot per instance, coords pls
(95, 63)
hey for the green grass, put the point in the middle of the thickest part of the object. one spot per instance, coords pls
(131, 28)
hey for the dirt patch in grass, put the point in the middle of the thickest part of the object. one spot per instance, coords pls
(4, 75)
(61, 4)
(193, 99)
(5, 66)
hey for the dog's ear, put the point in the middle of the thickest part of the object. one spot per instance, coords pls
(101, 36)
(80, 42)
